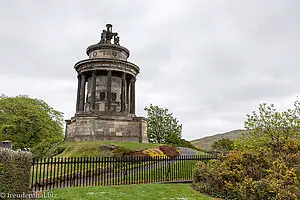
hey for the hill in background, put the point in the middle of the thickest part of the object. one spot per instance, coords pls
(206, 142)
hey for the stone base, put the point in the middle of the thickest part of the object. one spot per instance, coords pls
(83, 128)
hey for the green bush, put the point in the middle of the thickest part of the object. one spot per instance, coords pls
(179, 142)
(49, 149)
(15, 171)
(272, 172)
(223, 145)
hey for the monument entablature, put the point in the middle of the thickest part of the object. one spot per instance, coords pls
(107, 50)
(107, 64)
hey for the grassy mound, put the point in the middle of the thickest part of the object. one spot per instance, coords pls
(96, 148)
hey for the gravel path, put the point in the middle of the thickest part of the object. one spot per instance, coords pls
(187, 151)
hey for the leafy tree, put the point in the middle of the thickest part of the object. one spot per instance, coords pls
(162, 127)
(29, 122)
(180, 142)
(270, 125)
(224, 144)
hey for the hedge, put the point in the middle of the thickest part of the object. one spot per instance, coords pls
(15, 169)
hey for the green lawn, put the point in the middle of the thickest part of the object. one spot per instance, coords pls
(178, 170)
(132, 192)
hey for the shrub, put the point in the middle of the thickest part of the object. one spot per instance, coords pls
(272, 172)
(223, 145)
(161, 151)
(170, 151)
(153, 153)
(179, 142)
(49, 149)
(121, 151)
(15, 171)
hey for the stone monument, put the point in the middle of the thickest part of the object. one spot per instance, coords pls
(105, 107)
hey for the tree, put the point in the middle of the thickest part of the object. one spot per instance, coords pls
(224, 144)
(29, 122)
(270, 125)
(162, 127)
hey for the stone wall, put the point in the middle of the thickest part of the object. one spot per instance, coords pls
(95, 129)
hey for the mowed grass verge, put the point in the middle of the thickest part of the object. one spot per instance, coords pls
(131, 192)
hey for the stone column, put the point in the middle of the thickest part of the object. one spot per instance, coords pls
(128, 96)
(132, 95)
(82, 93)
(123, 91)
(93, 91)
(108, 91)
(78, 93)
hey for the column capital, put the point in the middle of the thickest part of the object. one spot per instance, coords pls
(82, 75)
(132, 79)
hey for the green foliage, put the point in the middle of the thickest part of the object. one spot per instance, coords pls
(265, 163)
(49, 149)
(272, 172)
(180, 142)
(162, 128)
(223, 145)
(29, 122)
(14, 171)
(270, 125)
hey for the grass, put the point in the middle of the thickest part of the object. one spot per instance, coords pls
(97, 148)
(131, 192)
(88, 150)
(178, 170)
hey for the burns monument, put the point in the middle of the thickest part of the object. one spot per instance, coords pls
(105, 106)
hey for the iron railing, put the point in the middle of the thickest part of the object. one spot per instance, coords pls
(49, 173)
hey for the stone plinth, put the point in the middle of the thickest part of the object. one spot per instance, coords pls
(118, 130)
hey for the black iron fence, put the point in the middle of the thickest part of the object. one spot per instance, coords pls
(49, 173)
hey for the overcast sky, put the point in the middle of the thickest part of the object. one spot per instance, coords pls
(208, 62)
